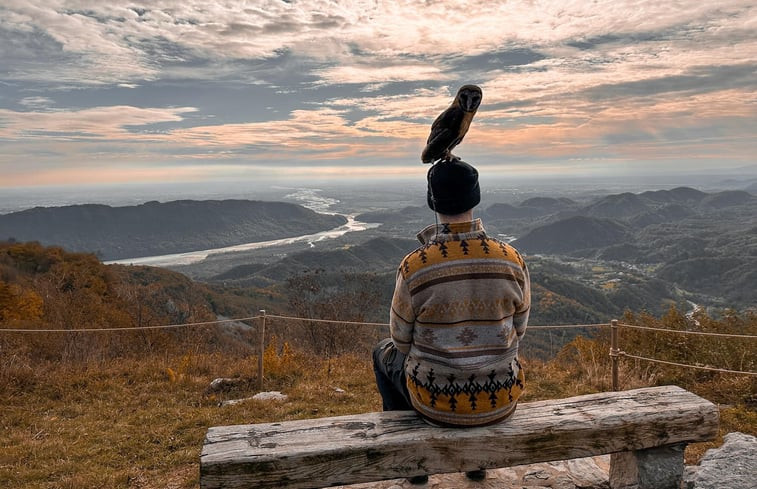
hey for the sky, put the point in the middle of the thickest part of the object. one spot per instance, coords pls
(104, 92)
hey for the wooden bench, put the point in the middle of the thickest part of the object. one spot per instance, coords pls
(646, 430)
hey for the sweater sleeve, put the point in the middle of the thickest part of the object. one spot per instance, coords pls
(520, 318)
(401, 316)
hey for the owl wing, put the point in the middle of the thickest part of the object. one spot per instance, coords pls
(445, 134)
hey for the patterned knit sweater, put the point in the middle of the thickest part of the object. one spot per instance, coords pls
(460, 307)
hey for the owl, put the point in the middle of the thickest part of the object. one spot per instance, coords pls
(450, 127)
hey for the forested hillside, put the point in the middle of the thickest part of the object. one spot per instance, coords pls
(156, 228)
(639, 251)
(589, 263)
(52, 289)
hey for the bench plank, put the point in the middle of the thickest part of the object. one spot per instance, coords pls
(315, 453)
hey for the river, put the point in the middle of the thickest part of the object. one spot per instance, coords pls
(190, 257)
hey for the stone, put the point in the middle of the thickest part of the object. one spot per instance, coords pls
(653, 468)
(588, 473)
(270, 396)
(232, 402)
(562, 482)
(689, 474)
(536, 474)
(260, 396)
(222, 385)
(731, 466)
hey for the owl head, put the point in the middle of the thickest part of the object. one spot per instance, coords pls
(469, 97)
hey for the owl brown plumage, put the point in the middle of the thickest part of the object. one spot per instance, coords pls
(451, 126)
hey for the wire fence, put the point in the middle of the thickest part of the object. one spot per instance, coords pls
(615, 351)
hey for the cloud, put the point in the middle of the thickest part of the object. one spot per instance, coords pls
(118, 42)
(368, 74)
(332, 82)
(307, 134)
(36, 102)
(96, 123)
(420, 105)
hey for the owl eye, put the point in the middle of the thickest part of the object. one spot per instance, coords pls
(470, 100)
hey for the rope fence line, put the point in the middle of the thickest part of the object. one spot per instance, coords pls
(570, 326)
(700, 367)
(275, 316)
(135, 328)
(683, 331)
(326, 321)
(615, 352)
(363, 323)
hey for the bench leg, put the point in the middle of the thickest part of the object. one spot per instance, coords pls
(653, 468)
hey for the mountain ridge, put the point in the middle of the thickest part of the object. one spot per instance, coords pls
(156, 228)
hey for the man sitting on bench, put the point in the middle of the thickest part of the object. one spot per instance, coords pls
(460, 307)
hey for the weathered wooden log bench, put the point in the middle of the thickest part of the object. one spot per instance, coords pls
(645, 430)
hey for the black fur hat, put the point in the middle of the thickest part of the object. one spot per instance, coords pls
(452, 187)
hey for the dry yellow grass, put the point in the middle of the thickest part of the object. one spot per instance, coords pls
(129, 423)
(140, 422)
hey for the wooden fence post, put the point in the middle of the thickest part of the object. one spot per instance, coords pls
(262, 351)
(614, 352)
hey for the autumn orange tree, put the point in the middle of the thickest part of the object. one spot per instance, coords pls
(667, 341)
(47, 288)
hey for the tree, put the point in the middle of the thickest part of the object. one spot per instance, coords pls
(351, 297)
(18, 304)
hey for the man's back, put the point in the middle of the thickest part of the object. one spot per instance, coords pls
(460, 305)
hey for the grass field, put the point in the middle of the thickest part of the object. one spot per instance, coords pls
(140, 422)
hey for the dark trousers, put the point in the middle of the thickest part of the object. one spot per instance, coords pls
(389, 367)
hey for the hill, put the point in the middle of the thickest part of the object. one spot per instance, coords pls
(664, 213)
(574, 233)
(375, 255)
(410, 213)
(671, 202)
(508, 211)
(49, 288)
(701, 244)
(156, 228)
(643, 250)
(534, 207)
(728, 198)
(617, 206)
(680, 195)
(563, 292)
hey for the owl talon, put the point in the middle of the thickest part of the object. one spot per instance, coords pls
(449, 158)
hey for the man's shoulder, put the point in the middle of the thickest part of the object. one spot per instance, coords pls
(434, 253)
(509, 252)
(414, 260)
(513, 251)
